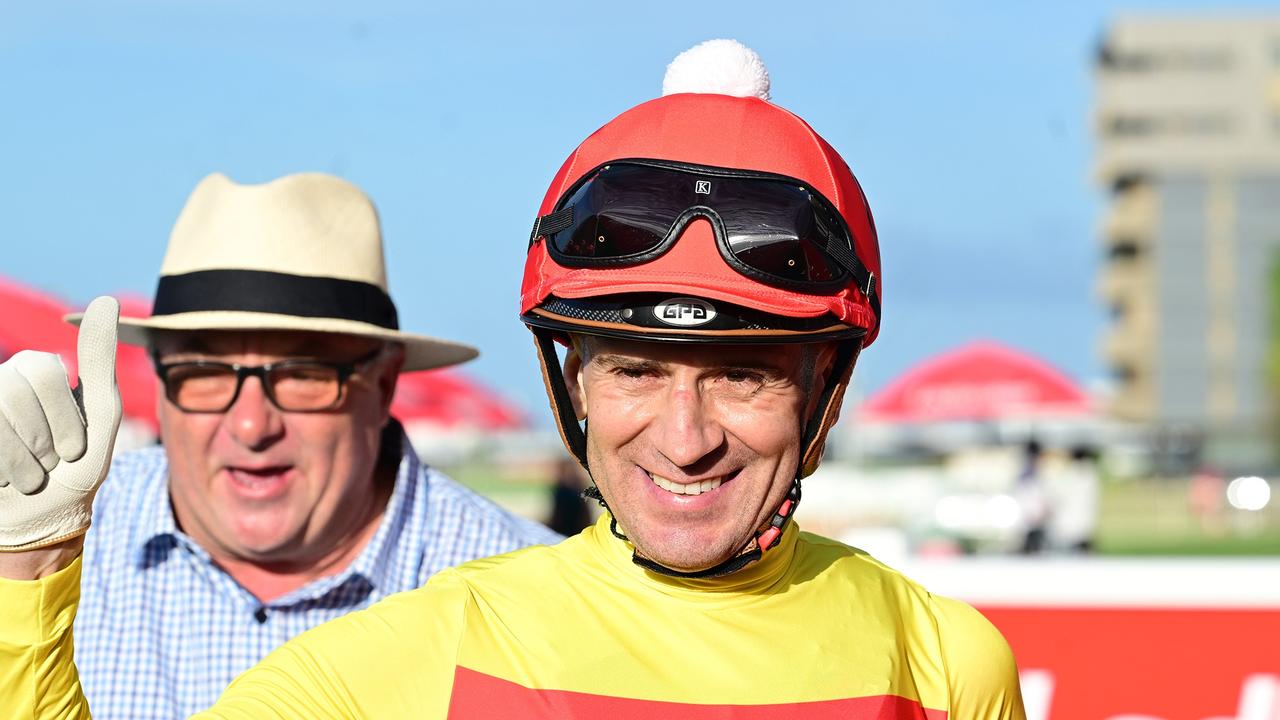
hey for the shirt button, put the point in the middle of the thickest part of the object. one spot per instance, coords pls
(260, 615)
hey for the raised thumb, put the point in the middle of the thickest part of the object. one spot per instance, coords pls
(96, 361)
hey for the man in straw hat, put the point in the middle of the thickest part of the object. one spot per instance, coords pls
(711, 265)
(285, 494)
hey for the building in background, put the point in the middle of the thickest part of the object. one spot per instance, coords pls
(1188, 145)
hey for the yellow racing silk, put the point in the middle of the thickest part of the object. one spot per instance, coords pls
(815, 630)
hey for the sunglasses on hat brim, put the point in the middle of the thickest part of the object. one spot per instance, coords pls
(771, 228)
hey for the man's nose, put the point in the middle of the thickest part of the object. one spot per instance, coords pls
(688, 428)
(254, 421)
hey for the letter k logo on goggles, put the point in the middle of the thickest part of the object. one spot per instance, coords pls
(770, 228)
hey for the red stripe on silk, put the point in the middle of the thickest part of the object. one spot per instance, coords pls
(478, 696)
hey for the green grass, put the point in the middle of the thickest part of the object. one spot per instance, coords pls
(1154, 518)
(1194, 546)
(523, 492)
(487, 480)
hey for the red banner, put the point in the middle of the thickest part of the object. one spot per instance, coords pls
(1128, 663)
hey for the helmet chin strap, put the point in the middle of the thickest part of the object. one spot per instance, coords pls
(766, 538)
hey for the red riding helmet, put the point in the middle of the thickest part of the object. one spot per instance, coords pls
(716, 131)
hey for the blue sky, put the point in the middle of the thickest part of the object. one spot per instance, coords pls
(967, 123)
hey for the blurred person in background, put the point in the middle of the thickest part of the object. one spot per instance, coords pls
(1073, 493)
(1207, 498)
(712, 266)
(284, 494)
(1033, 499)
(570, 512)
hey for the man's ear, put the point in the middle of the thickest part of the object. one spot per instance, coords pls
(573, 368)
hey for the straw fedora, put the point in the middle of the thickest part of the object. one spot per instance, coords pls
(302, 252)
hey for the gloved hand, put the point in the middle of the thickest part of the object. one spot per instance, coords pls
(55, 443)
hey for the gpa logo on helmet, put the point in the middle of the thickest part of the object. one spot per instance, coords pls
(685, 312)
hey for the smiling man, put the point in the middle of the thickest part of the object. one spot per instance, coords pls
(694, 447)
(263, 474)
(711, 265)
(285, 494)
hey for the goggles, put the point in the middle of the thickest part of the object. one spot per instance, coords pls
(770, 228)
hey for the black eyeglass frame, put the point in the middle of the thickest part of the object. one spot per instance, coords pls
(842, 252)
(344, 370)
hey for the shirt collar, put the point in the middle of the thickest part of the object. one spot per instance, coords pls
(374, 563)
(158, 530)
(159, 534)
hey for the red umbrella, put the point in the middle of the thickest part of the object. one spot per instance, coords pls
(448, 399)
(134, 371)
(980, 381)
(30, 320)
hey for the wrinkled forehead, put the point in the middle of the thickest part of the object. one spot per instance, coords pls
(779, 356)
(277, 343)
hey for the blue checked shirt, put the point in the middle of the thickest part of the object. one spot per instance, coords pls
(162, 630)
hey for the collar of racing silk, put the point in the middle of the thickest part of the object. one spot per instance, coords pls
(764, 574)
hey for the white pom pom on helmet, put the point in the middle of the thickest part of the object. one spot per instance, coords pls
(723, 67)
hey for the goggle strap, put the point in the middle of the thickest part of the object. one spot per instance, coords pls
(873, 296)
(865, 279)
(843, 255)
(575, 440)
(548, 225)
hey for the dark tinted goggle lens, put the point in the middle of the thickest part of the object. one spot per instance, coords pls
(772, 227)
(782, 230)
(622, 210)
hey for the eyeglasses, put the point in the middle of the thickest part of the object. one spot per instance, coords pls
(205, 386)
(771, 228)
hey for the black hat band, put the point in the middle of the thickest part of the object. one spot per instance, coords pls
(262, 291)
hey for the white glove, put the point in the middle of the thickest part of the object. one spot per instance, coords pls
(55, 443)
